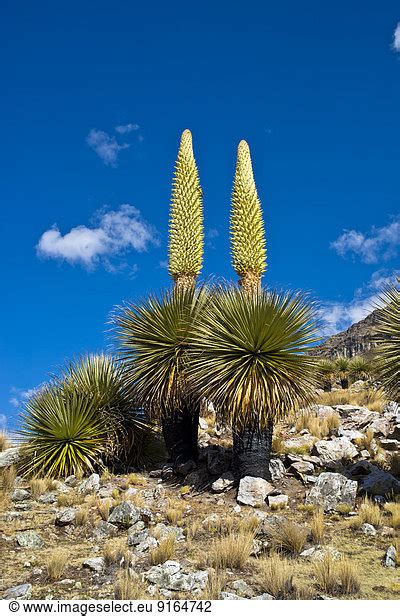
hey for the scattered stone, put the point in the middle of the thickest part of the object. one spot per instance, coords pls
(94, 564)
(147, 544)
(185, 468)
(278, 502)
(332, 453)
(137, 537)
(253, 491)
(352, 435)
(124, 515)
(91, 485)
(170, 576)
(71, 481)
(8, 458)
(277, 469)
(242, 588)
(387, 531)
(203, 425)
(390, 557)
(300, 442)
(302, 468)
(230, 596)
(22, 592)
(368, 529)
(105, 530)
(318, 553)
(65, 517)
(264, 597)
(162, 531)
(373, 480)
(159, 492)
(19, 495)
(167, 472)
(49, 498)
(29, 539)
(330, 490)
(224, 483)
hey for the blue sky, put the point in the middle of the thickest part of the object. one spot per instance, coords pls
(96, 96)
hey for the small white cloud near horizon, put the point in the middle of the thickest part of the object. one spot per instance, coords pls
(106, 147)
(117, 232)
(379, 244)
(125, 129)
(20, 396)
(338, 316)
(396, 38)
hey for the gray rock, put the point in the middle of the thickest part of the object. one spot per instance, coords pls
(19, 495)
(217, 461)
(242, 588)
(390, 557)
(368, 529)
(203, 425)
(149, 543)
(374, 481)
(331, 489)
(94, 564)
(29, 539)
(299, 442)
(390, 444)
(124, 515)
(277, 469)
(49, 498)
(224, 483)
(278, 502)
(137, 537)
(8, 457)
(65, 517)
(104, 530)
(334, 452)
(253, 491)
(302, 468)
(71, 481)
(381, 427)
(162, 531)
(170, 576)
(356, 417)
(352, 435)
(230, 596)
(91, 485)
(22, 592)
(264, 597)
(318, 553)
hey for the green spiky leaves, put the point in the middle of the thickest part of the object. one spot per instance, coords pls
(246, 223)
(186, 235)
(388, 338)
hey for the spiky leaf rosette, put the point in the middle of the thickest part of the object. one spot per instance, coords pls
(388, 339)
(247, 355)
(153, 339)
(64, 432)
(186, 235)
(247, 227)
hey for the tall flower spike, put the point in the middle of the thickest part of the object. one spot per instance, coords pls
(186, 234)
(246, 224)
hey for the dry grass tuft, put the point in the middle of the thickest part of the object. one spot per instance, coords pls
(56, 563)
(116, 551)
(138, 500)
(174, 512)
(317, 426)
(164, 551)
(348, 577)
(289, 537)
(231, 551)
(343, 508)
(373, 399)
(317, 527)
(278, 444)
(8, 476)
(4, 444)
(81, 516)
(104, 507)
(136, 480)
(215, 584)
(393, 510)
(337, 577)
(276, 576)
(38, 487)
(128, 586)
(192, 530)
(69, 499)
(370, 512)
(307, 508)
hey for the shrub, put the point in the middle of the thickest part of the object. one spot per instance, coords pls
(56, 563)
(348, 577)
(370, 512)
(128, 586)
(3, 442)
(81, 516)
(317, 527)
(116, 551)
(326, 574)
(276, 576)
(104, 507)
(289, 537)
(8, 476)
(164, 551)
(393, 509)
(231, 551)
(215, 583)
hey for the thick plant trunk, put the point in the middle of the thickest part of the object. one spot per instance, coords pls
(180, 430)
(327, 386)
(344, 383)
(252, 452)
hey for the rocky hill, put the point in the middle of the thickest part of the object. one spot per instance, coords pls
(357, 339)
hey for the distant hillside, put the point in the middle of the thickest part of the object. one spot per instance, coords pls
(358, 338)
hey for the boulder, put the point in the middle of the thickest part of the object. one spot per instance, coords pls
(277, 469)
(124, 515)
(203, 425)
(302, 468)
(356, 417)
(224, 483)
(170, 576)
(368, 529)
(217, 461)
(65, 517)
(29, 539)
(49, 498)
(242, 588)
(137, 537)
(390, 559)
(19, 495)
(21, 592)
(253, 491)
(104, 530)
(299, 443)
(278, 502)
(162, 531)
(94, 564)
(374, 481)
(332, 489)
(90, 485)
(149, 543)
(8, 457)
(332, 453)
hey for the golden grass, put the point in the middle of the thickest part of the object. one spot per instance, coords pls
(8, 476)
(317, 527)
(370, 512)
(38, 487)
(136, 480)
(128, 586)
(289, 537)
(337, 577)
(81, 516)
(192, 531)
(3, 442)
(276, 576)
(393, 510)
(138, 500)
(348, 577)
(174, 512)
(215, 584)
(115, 551)
(164, 551)
(373, 399)
(231, 551)
(278, 444)
(317, 426)
(68, 499)
(343, 508)
(56, 563)
(104, 507)
(306, 508)
(325, 572)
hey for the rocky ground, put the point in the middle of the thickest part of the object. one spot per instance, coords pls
(309, 533)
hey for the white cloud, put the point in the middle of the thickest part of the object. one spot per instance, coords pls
(124, 129)
(117, 232)
(106, 147)
(380, 244)
(20, 396)
(3, 422)
(337, 316)
(396, 38)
